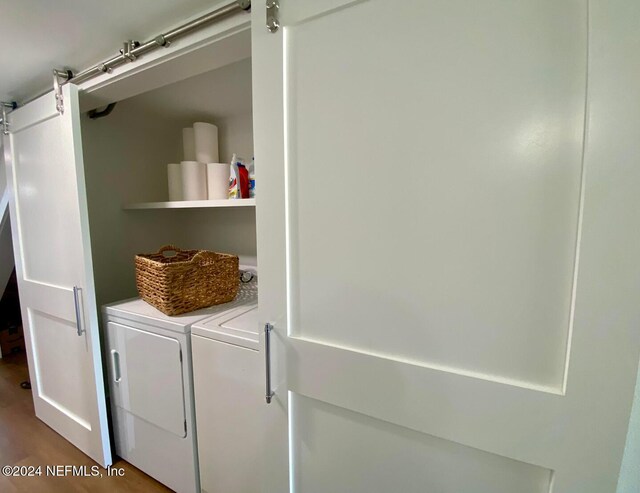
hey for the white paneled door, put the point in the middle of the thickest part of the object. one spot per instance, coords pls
(55, 277)
(448, 243)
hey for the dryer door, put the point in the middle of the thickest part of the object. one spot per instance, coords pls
(146, 376)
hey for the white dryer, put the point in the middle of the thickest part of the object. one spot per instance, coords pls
(151, 386)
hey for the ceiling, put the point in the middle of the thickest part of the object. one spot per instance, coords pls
(39, 35)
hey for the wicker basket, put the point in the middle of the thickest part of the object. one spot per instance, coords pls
(179, 281)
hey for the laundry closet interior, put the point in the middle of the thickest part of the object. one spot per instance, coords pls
(125, 160)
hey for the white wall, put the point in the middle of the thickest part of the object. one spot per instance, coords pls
(123, 164)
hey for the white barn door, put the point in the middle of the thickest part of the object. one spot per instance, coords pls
(43, 154)
(448, 243)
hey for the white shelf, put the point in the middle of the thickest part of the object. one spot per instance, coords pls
(193, 204)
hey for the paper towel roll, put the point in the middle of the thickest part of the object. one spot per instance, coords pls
(188, 144)
(206, 142)
(218, 180)
(194, 180)
(174, 174)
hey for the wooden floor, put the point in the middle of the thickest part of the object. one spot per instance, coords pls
(27, 441)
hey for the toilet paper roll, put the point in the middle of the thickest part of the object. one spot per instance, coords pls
(206, 142)
(188, 144)
(174, 174)
(194, 180)
(218, 180)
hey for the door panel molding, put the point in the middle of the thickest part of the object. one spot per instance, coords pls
(69, 389)
(524, 164)
(572, 422)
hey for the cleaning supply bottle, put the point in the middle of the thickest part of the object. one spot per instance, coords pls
(234, 182)
(239, 179)
(252, 178)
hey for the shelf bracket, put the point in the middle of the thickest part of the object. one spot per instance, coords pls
(273, 15)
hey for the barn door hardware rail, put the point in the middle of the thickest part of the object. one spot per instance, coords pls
(132, 50)
(4, 123)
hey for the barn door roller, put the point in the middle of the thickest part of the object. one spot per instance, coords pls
(273, 15)
(59, 78)
(3, 121)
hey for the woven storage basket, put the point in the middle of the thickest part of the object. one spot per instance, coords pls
(179, 281)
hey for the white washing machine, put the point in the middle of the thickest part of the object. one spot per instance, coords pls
(151, 385)
(229, 388)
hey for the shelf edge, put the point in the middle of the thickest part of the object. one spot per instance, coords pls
(192, 204)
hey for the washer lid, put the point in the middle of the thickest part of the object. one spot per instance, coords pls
(137, 310)
(239, 326)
